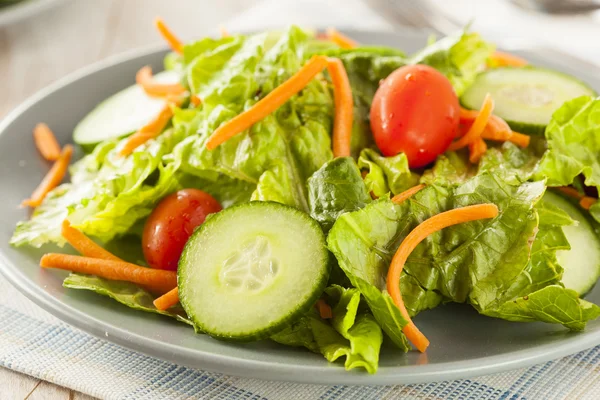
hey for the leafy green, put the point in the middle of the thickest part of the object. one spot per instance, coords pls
(451, 168)
(573, 136)
(386, 174)
(335, 189)
(460, 57)
(279, 153)
(353, 333)
(485, 263)
(125, 293)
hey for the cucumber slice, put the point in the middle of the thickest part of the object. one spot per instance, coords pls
(121, 114)
(525, 97)
(582, 263)
(252, 269)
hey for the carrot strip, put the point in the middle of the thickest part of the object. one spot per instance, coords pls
(147, 132)
(46, 142)
(144, 78)
(570, 191)
(157, 280)
(476, 150)
(167, 300)
(502, 59)
(166, 33)
(344, 108)
(224, 32)
(519, 139)
(426, 228)
(586, 202)
(52, 178)
(478, 126)
(340, 39)
(408, 193)
(269, 103)
(195, 100)
(324, 309)
(496, 128)
(83, 244)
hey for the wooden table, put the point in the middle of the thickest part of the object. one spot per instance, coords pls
(38, 51)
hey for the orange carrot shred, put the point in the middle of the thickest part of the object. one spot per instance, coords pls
(166, 33)
(426, 228)
(586, 202)
(84, 245)
(269, 103)
(478, 126)
(340, 39)
(195, 100)
(46, 142)
(570, 191)
(147, 132)
(324, 309)
(408, 193)
(224, 32)
(519, 139)
(344, 108)
(144, 79)
(476, 150)
(167, 300)
(502, 59)
(52, 178)
(157, 280)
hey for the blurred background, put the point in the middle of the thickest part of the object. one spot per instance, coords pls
(42, 41)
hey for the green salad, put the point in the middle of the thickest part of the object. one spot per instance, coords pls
(305, 189)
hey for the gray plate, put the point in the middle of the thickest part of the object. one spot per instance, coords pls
(464, 344)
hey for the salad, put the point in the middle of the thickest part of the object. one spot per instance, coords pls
(299, 187)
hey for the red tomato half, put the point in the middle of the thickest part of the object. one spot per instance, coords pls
(415, 111)
(172, 223)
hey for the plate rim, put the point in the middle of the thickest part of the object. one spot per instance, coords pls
(328, 374)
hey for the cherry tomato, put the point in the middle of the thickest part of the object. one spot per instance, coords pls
(172, 223)
(415, 111)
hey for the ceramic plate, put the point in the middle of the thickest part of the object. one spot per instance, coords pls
(464, 344)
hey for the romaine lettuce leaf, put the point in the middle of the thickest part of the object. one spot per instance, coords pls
(126, 293)
(386, 174)
(278, 154)
(477, 262)
(573, 136)
(460, 57)
(353, 333)
(335, 189)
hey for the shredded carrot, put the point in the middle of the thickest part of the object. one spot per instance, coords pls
(52, 178)
(340, 39)
(144, 79)
(84, 245)
(426, 228)
(269, 103)
(166, 33)
(570, 191)
(476, 150)
(224, 31)
(496, 128)
(408, 193)
(344, 108)
(586, 202)
(478, 126)
(195, 100)
(167, 300)
(147, 132)
(324, 309)
(502, 59)
(157, 280)
(46, 142)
